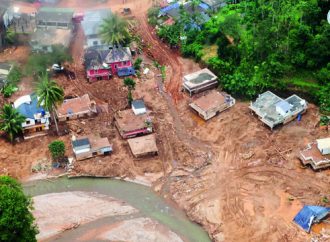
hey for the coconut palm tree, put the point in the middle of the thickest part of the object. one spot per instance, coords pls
(130, 84)
(11, 121)
(50, 95)
(114, 30)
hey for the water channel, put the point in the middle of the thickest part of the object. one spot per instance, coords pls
(141, 197)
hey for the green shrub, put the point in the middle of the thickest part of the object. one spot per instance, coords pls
(57, 149)
(137, 63)
(8, 90)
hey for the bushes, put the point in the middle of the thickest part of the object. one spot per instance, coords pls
(13, 79)
(57, 150)
(137, 64)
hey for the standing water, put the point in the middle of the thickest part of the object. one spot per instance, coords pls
(141, 197)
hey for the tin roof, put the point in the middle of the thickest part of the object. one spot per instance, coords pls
(28, 106)
(93, 19)
(128, 121)
(49, 14)
(119, 55)
(75, 105)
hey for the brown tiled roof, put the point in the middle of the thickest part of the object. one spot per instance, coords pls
(128, 121)
(211, 100)
(75, 105)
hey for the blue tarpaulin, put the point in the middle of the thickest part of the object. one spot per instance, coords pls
(168, 8)
(204, 6)
(125, 71)
(309, 215)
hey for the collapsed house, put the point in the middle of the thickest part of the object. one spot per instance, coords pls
(143, 146)
(91, 24)
(5, 69)
(273, 110)
(37, 118)
(130, 125)
(54, 27)
(44, 40)
(55, 18)
(310, 215)
(317, 154)
(79, 107)
(211, 104)
(90, 146)
(200, 81)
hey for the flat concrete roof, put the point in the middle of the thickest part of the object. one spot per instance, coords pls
(323, 143)
(143, 145)
(199, 78)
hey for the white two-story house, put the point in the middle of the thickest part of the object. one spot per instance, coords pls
(37, 118)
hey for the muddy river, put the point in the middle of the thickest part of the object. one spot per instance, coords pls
(149, 206)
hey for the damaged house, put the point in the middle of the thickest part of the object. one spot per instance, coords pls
(143, 146)
(86, 147)
(273, 110)
(37, 118)
(211, 104)
(54, 27)
(130, 125)
(90, 25)
(316, 154)
(74, 108)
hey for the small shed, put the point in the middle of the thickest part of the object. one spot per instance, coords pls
(138, 107)
(324, 146)
(143, 146)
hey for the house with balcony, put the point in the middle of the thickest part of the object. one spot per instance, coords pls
(36, 117)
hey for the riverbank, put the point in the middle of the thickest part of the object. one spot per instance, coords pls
(68, 209)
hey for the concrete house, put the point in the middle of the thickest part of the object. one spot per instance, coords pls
(317, 154)
(211, 104)
(3, 22)
(37, 118)
(55, 18)
(90, 25)
(54, 27)
(120, 61)
(79, 107)
(273, 110)
(90, 146)
(199, 81)
(138, 107)
(143, 146)
(5, 69)
(130, 125)
(96, 68)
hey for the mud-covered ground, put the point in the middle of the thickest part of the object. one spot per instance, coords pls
(233, 175)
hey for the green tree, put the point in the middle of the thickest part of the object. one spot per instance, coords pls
(130, 84)
(16, 220)
(11, 36)
(50, 95)
(114, 30)
(57, 149)
(11, 121)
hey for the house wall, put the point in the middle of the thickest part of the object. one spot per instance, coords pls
(41, 48)
(28, 123)
(116, 65)
(90, 42)
(58, 25)
(139, 111)
(103, 74)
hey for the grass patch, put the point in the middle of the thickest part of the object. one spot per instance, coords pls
(209, 51)
(303, 79)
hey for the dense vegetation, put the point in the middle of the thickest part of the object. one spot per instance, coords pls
(16, 220)
(282, 45)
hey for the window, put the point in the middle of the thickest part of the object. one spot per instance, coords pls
(94, 153)
(95, 42)
(27, 121)
(124, 62)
